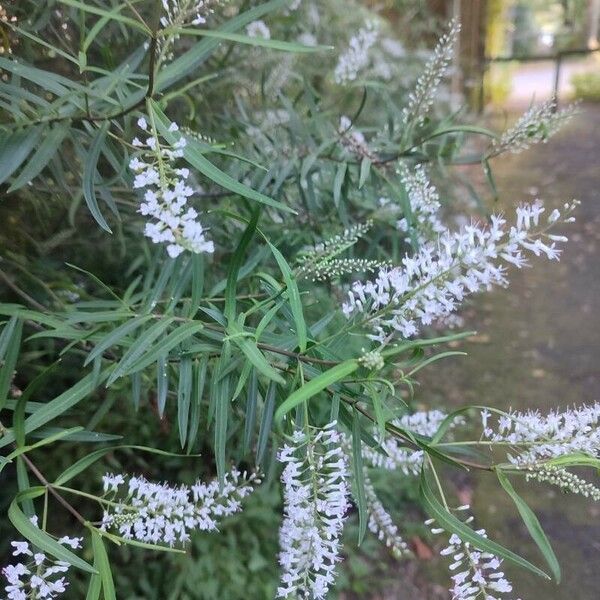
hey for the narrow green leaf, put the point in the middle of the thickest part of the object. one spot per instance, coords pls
(56, 407)
(199, 377)
(89, 174)
(115, 336)
(266, 422)
(142, 344)
(234, 267)
(314, 386)
(103, 566)
(221, 400)
(176, 337)
(162, 383)
(113, 15)
(253, 41)
(252, 353)
(10, 345)
(184, 395)
(250, 419)
(15, 147)
(41, 157)
(450, 523)
(338, 182)
(293, 296)
(359, 478)
(365, 169)
(533, 525)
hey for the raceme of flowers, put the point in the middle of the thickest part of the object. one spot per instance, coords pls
(539, 437)
(536, 125)
(166, 194)
(320, 262)
(476, 574)
(432, 283)
(565, 480)
(186, 12)
(381, 524)
(157, 513)
(316, 500)
(424, 204)
(396, 457)
(420, 100)
(37, 575)
(356, 57)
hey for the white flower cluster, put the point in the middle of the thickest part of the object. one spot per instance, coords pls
(397, 457)
(39, 576)
(316, 500)
(424, 202)
(381, 524)
(544, 437)
(476, 574)
(421, 98)
(166, 194)
(356, 57)
(258, 29)
(536, 125)
(565, 480)
(158, 513)
(178, 13)
(320, 262)
(432, 283)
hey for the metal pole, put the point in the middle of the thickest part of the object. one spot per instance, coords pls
(559, 58)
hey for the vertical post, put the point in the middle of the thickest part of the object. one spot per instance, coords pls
(557, 69)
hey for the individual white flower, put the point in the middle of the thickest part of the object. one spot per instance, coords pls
(316, 501)
(166, 195)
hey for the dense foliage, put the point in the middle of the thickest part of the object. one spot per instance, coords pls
(224, 263)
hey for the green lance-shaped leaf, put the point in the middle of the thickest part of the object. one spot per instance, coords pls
(102, 564)
(293, 297)
(253, 41)
(40, 538)
(359, 478)
(532, 524)
(115, 336)
(40, 158)
(10, 344)
(57, 406)
(89, 173)
(15, 148)
(314, 386)
(142, 345)
(252, 353)
(450, 523)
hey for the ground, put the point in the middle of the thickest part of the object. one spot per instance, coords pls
(537, 347)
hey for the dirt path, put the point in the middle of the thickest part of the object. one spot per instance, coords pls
(538, 346)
